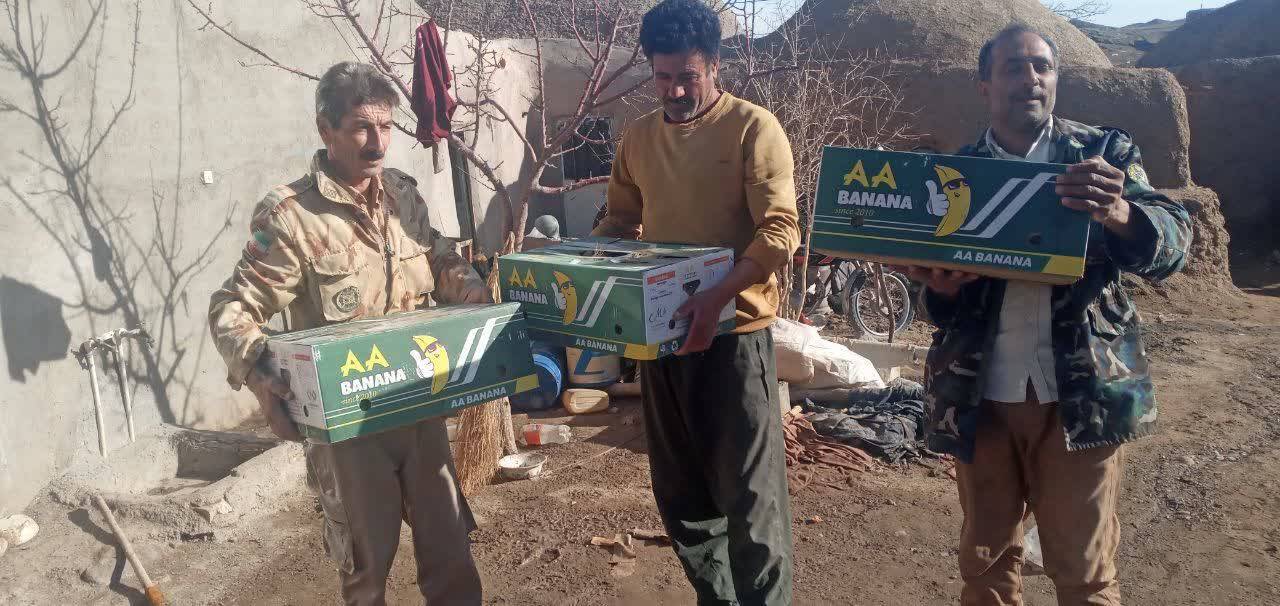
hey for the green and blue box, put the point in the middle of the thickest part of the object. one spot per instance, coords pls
(613, 296)
(998, 218)
(361, 377)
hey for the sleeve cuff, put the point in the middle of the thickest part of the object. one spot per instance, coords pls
(238, 369)
(1141, 249)
(768, 256)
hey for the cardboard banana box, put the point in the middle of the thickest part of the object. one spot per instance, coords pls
(997, 218)
(613, 296)
(365, 376)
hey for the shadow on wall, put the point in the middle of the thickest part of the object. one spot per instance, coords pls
(142, 259)
(27, 312)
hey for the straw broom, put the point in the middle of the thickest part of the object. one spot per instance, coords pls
(485, 432)
(479, 445)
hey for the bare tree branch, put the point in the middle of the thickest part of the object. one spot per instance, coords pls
(632, 62)
(346, 10)
(257, 51)
(555, 191)
(541, 83)
(577, 34)
(1079, 9)
(506, 116)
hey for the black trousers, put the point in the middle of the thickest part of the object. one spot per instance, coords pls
(716, 456)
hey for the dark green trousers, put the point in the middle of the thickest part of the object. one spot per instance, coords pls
(716, 456)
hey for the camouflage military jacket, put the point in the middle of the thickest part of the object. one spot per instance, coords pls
(1104, 387)
(319, 253)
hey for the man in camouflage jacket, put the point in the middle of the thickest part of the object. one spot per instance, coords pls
(351, 240)
(1070, 357)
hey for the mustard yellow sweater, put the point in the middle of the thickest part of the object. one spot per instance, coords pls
(723, 179)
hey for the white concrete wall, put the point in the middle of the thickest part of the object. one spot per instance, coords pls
(168, 239)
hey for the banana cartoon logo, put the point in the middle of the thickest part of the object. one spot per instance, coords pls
(432, 361)
(566, 295)
(952, 203)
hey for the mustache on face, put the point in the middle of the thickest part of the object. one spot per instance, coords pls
(681, 101)
(1037, 94)
(369, 155)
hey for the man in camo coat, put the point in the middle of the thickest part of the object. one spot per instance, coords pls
(351, 240)
(1034, 388)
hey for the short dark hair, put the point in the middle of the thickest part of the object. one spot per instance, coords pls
(350, 84)
(680, 26)
(1017, 29)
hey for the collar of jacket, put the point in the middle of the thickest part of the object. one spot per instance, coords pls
(331, 188)
(1067, 143)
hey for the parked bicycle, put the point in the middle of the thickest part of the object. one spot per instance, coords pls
(851, 289)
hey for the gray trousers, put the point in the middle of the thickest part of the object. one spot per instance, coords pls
(716, 456)
(367, 485)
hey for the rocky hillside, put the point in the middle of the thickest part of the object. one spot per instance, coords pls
(1126, 45)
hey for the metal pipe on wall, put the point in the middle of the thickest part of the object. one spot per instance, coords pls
(115, 342)
(88, 351)
(120, 349)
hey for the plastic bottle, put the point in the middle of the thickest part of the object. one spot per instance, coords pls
(541, 434)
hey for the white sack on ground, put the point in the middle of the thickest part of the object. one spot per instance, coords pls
(808, 361)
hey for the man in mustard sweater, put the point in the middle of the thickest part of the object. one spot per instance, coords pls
(714, 170)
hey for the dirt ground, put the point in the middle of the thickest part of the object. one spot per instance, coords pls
(1201, 510)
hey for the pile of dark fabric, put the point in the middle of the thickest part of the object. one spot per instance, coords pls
(886, 422)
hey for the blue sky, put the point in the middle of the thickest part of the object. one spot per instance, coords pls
(1123, 12)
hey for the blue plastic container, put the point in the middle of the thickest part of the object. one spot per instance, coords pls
(549, 361)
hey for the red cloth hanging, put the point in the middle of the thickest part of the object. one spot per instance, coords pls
(431, 101)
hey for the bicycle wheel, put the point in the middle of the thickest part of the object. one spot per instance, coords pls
(867, 312)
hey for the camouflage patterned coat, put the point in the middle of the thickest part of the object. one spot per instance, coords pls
(317, 252)
(1104, 387)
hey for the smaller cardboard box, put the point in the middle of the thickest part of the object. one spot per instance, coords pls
(997, 218)
(365, 376)
(613, 296)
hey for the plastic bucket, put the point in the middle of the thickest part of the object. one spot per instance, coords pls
(592, 369)
(548, 363)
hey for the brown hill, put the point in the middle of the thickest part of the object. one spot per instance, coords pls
(1245, 28)
(942, 30)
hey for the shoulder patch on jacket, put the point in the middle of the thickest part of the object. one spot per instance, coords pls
(280, 193)
(400, 176)
(259, 244)
(402, 188)
(1138, 174)
(296, 188)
